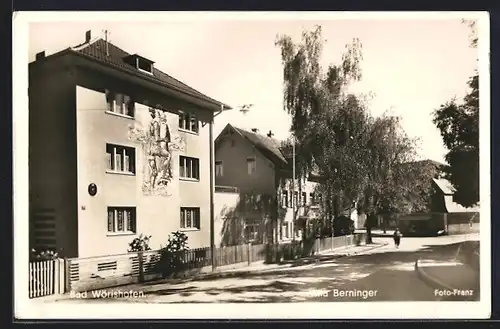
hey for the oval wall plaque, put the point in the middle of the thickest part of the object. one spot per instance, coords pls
(92, 189)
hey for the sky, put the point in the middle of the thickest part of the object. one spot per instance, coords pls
(410, 66)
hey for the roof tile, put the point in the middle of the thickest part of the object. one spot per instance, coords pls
(97, 50)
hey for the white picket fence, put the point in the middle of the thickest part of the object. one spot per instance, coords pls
(46, 278)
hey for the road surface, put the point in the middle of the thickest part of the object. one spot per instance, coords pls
(382, 274)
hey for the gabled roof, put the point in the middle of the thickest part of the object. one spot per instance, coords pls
(448, 190)
(445, 186)
(96, 50)
(270, 147)
(432, 162)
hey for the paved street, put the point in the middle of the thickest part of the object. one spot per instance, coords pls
(381, 274)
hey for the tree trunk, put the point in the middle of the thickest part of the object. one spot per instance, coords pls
(369, 225)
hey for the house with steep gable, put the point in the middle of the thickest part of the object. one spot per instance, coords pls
(116, 148)
(260, 167)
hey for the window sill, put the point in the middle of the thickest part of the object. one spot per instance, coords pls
(119, 115)
(120, 233)
(187, 179)
(115, 172)
(189, 229)
(188, 131)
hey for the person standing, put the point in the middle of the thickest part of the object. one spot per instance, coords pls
(397, 237)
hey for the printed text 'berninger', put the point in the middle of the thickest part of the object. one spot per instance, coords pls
(360, 293)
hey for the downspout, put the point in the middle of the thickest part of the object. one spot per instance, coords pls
(212, 190)
(294, 200)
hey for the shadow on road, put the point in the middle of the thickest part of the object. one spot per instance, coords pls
(389, 272)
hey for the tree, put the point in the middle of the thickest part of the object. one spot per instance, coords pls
(459, 127)
(315, 99)
(397, 183)
(360, 157)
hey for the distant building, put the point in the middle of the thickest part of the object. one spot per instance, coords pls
(444, 214)
(117, 148)
(261, 168)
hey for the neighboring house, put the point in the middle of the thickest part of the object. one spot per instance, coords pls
(116, 148)
(443, 199)
(261, 168)
(445, 214)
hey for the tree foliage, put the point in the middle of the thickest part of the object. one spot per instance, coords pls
(459, 127)
(362, 158)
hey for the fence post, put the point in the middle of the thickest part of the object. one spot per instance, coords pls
(249, 246)
(67, 277)
(59, 264)
(140, 254)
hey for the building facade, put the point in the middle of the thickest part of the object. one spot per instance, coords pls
(117, 149)
(260, 168)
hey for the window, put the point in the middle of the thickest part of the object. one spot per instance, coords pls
(121, 220)
(190, 218)
(144, 65)
(285, 199)
(320, 198)
(188, 121)
(120, 104)
(296, 198)
(233, 143)
(189, 168)
(311, 198)
(304, 199)
(219, 169)
(251, 230)
(286, 229)
(120, 159)
(251, 166)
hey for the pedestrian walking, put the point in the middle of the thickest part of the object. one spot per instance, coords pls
(397, 237)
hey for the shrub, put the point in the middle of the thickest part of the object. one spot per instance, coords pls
(43, 255)
(275, 253)
(141, 243)
(293, 250)
(172, 255)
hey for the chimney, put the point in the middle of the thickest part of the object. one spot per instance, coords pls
(40, 55)
(270, 134)
(88, 36)
(255, 130)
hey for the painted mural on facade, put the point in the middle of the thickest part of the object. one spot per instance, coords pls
(158, 146)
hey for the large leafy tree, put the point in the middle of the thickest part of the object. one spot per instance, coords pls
(361, 158)
(458, 123)
(397, 183)
(459, 127)
(316, 100)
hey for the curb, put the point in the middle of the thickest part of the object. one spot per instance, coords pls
(431, 281)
